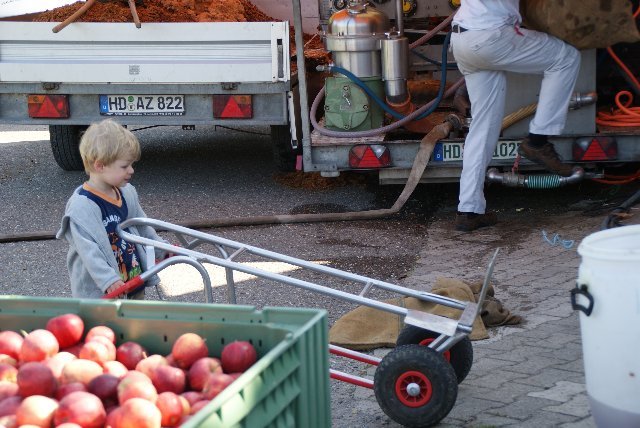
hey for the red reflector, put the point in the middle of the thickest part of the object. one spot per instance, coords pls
(595, 149)
(365, 156)
(232, 107)
(48, 106)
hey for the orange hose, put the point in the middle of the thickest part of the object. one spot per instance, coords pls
(618, 179)
(623, 116)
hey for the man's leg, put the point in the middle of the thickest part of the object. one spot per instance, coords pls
(487, 95)
(527, 51)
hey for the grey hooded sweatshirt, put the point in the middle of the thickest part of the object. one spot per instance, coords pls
(90, 260)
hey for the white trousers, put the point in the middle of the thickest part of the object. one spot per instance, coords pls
(484, 57)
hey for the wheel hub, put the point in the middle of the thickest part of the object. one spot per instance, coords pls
(413, 388)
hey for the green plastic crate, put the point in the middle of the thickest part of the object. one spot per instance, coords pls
(287, 387)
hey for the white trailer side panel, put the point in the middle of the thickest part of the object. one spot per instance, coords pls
(89, 52)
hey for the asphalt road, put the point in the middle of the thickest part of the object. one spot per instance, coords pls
(213, 173)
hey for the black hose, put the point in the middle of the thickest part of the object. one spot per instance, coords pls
(613, 219)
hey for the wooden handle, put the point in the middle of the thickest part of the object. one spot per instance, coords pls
(75, 16)
(134, 12)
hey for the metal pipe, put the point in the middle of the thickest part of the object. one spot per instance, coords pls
(545, 181)
(399, 18)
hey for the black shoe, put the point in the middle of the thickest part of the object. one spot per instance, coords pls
(466, 222)
(545, 155)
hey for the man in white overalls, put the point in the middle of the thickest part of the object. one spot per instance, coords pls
(487, 42)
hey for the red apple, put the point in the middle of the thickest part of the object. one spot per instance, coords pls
(238, 356)
(68, 425)
(215, 384)
(75, 349)
(68, 329)
(171, 361)
(101, 330)
(136, 385)
(66, 389)
(109, 345)
(58, 361)
(105, 387)
(94, 351)
(80, 408)
(197, 406)
(115, 368)
(139, 413)
(10, 343)
(170, 407)
(8, 421)
(192, 396)
(186, 406)
(113, 418)
(149, 364)
(189, 348)
(9, 405)
(8, 389)
(8, 372)
(36, 379)
(168, 378)
(130, 354)
(7, 359)
(80, 371)
(201, 370)
(36, 410)
(38, 345)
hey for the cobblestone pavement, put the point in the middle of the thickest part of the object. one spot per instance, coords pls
(529, 375)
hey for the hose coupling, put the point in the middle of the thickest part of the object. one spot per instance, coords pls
(579, 99)
(537, 181)
(455, 121)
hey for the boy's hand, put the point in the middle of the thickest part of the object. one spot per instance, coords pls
(114, 287)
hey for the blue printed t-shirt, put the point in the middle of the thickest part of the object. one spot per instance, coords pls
(114, 212)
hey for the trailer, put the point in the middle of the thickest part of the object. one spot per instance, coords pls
(405, 43)
(188, 74)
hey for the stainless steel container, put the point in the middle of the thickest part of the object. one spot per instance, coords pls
(353, 36)
(395, 67)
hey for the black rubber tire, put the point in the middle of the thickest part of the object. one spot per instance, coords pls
(65, 145)
(460, 355)
(423, 367)
(284, 155)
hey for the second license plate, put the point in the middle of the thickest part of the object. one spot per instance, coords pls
(142, 105)
(448, 152)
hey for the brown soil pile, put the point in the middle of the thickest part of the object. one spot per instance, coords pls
(162, 11)
(186, 11)
(314, 181)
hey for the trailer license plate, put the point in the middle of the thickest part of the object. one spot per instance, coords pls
(447, 152)
(142, 105)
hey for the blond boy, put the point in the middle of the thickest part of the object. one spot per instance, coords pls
(99, 261)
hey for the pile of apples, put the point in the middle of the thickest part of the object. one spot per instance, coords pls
(59, 377)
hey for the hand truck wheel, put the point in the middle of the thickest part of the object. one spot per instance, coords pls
(415, 386)
(460, 355)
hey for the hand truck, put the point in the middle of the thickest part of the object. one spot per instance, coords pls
(416, 384)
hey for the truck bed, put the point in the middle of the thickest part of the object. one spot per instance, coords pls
(89, 52)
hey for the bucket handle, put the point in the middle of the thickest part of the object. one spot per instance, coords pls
(583, 291)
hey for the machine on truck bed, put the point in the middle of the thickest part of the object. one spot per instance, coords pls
(385, 53)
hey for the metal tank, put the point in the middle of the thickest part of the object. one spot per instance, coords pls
(354, 37)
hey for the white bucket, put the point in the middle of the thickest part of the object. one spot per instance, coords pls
(610, 273)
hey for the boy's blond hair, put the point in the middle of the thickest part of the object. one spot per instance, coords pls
(107, 141)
